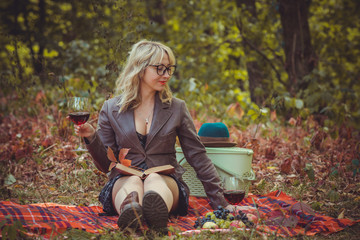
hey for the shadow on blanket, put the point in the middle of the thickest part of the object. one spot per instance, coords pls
(281, 213)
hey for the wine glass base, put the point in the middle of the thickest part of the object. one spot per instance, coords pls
(79, 149)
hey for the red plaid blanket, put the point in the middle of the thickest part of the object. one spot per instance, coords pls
(281, 214)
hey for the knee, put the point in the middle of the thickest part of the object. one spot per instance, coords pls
(134, 180)
(153, 177)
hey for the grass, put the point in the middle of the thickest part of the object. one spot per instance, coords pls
(74, 184)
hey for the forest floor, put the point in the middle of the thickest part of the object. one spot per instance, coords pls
(297, 157)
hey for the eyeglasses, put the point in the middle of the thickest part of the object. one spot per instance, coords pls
(160, 69)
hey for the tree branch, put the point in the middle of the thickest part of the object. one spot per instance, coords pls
(247, 42)
(265, 58)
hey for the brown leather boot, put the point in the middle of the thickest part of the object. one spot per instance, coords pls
(155, 211)
(130, 212)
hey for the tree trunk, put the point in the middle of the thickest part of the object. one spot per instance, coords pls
(255, 78)
(156, 14)
(40, 39)
(252, 67)
(300, 60)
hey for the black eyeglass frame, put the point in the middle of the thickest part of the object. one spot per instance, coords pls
(167, 68)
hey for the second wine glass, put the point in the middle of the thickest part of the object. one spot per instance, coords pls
(79, 113)
(234, 191)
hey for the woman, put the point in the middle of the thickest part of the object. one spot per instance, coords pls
(146, 118)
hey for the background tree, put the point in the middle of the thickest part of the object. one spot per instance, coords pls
(299, 54)
(298, 57)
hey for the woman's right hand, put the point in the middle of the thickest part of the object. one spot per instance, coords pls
(85, 130)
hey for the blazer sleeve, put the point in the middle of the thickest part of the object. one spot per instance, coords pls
(104, 137)
(195, 154)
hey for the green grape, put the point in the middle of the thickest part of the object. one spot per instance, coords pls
(220, 222)
(227, 224)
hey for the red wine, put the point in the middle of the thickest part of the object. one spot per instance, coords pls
(234, 196)
(79, 117)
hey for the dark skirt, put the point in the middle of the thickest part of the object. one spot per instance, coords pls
(105, 196)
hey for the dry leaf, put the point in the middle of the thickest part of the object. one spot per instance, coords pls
(112, 165)
(235, 109)
(122, 154)
(126, 162)
(270, 153)
(300, 206)
(110, 155)
(285, 167)
(273, 116)
(341, 215)
(317, 139)
(292, 121)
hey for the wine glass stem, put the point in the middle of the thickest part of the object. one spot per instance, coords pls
(80, 143)
(81, 147)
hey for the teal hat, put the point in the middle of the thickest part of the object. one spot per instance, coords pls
(215, 135)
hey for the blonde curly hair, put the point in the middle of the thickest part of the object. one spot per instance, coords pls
(142, 54)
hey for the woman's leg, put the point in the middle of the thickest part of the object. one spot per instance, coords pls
(123, 187)
(161, 195)
(166, 187)
(172, 185)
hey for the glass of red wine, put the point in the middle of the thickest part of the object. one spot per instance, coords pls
(234, 191)
(79, 113)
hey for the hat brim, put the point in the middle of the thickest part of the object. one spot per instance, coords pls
(219, 144)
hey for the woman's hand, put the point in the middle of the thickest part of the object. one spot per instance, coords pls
(85, 130)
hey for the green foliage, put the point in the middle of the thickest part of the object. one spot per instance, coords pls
(78, 48)
(310, 171)
(9, 180)
(355, 167)
(335, 170)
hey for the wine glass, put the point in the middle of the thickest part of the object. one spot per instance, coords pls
(79, 113)
(234, 191)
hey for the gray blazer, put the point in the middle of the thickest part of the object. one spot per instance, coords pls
(117, 130)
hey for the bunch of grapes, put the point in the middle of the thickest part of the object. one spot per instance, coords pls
(222, 218)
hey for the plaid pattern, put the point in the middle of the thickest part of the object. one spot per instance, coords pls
(283, 215)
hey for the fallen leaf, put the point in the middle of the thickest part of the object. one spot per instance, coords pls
(270, 153)
(317, 139)
(47, 142)
(285, 167)
(292, 121)
(10, 179)
(300, 206)
(341, 215)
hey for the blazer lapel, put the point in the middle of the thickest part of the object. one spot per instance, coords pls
(126, 124)
(161, 115)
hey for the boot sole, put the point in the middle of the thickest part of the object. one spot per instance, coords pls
(155, 210)
(130, 217)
